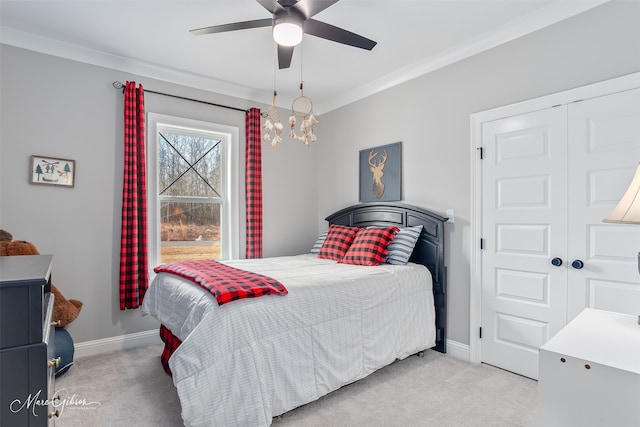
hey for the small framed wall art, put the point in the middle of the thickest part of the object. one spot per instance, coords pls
(381, 173)
(53, 171)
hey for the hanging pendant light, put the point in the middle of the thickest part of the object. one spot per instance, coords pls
(308, 119)
(272, 125)
(304, 107)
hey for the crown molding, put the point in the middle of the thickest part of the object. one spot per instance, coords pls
(30, 41)
(549, 15)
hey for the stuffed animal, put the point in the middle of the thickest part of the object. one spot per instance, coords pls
(64, 311)
(5, 239)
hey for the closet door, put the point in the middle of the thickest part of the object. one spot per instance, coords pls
(549, 179)
(604, 150)
(524, 175)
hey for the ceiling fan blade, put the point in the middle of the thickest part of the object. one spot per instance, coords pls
(284, 56)
(313, 7)
(330, 32)
(257, 23)
(271, 5)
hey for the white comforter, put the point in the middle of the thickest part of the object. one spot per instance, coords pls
(247, 361)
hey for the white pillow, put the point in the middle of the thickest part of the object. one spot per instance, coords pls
(318, 244)
(401, 247)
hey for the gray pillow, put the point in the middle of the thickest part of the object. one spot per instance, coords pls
(316, 247)
(401, 247)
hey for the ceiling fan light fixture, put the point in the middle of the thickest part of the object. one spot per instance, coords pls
(289, 20)
(287, 32)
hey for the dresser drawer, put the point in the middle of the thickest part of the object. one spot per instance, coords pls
(25, 282)
(26, 311)
(23, 371)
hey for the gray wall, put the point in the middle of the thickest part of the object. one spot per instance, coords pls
(430, 115)
(55, 107)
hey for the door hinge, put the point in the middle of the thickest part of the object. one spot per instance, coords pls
(481, 150)
(481, 243)
(480, 332)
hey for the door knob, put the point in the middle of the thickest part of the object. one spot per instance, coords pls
(577, 264)
(557, 261)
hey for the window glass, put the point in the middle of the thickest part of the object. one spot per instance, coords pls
(191, 199)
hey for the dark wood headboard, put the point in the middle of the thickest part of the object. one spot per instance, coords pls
(429, 250)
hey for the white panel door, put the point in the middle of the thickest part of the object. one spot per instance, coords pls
(524, 228)
(549, 178)
(604, 150)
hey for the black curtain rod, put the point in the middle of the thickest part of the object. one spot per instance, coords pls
(120, 85)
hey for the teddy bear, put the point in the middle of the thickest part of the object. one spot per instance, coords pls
(64, 311)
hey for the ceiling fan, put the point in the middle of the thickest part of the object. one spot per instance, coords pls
(291, 19)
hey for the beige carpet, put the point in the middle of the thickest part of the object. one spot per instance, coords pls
(129, 388)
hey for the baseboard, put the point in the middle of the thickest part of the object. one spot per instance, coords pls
(458, 350)
(121, 342)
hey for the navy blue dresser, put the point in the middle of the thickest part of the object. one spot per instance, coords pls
(26, 348)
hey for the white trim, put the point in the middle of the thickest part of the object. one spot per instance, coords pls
(606, 87)
(551, 14)
(120, 342)
(458, 350)
(595, 90)
(475, 256)
(230, 213)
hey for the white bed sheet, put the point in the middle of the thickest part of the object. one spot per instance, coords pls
(245, 362)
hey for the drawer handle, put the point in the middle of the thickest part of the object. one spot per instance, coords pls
(56, 324)
(55, 413)
(53, 363)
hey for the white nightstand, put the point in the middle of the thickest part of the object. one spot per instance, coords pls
(590, 372)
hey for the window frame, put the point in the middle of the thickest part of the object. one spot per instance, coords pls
(230, 201)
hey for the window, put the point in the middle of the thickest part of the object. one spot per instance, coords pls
(192, 189)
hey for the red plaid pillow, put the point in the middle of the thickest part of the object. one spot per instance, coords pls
(338, 240)
(370, 246)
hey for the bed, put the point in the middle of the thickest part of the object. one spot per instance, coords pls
(245, 362)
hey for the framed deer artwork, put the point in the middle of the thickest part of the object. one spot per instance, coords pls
(381, 173)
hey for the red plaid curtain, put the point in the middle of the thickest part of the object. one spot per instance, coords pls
(134, 276)
(253, 181)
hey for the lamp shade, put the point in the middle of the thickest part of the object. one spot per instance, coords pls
(628, 209)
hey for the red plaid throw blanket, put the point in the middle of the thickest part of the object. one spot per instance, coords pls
(171, 343)
(226, 283)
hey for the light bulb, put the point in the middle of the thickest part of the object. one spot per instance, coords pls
(287, 34)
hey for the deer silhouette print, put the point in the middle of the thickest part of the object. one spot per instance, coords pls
(376, 170)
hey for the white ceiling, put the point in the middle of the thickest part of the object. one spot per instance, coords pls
(151, 38)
